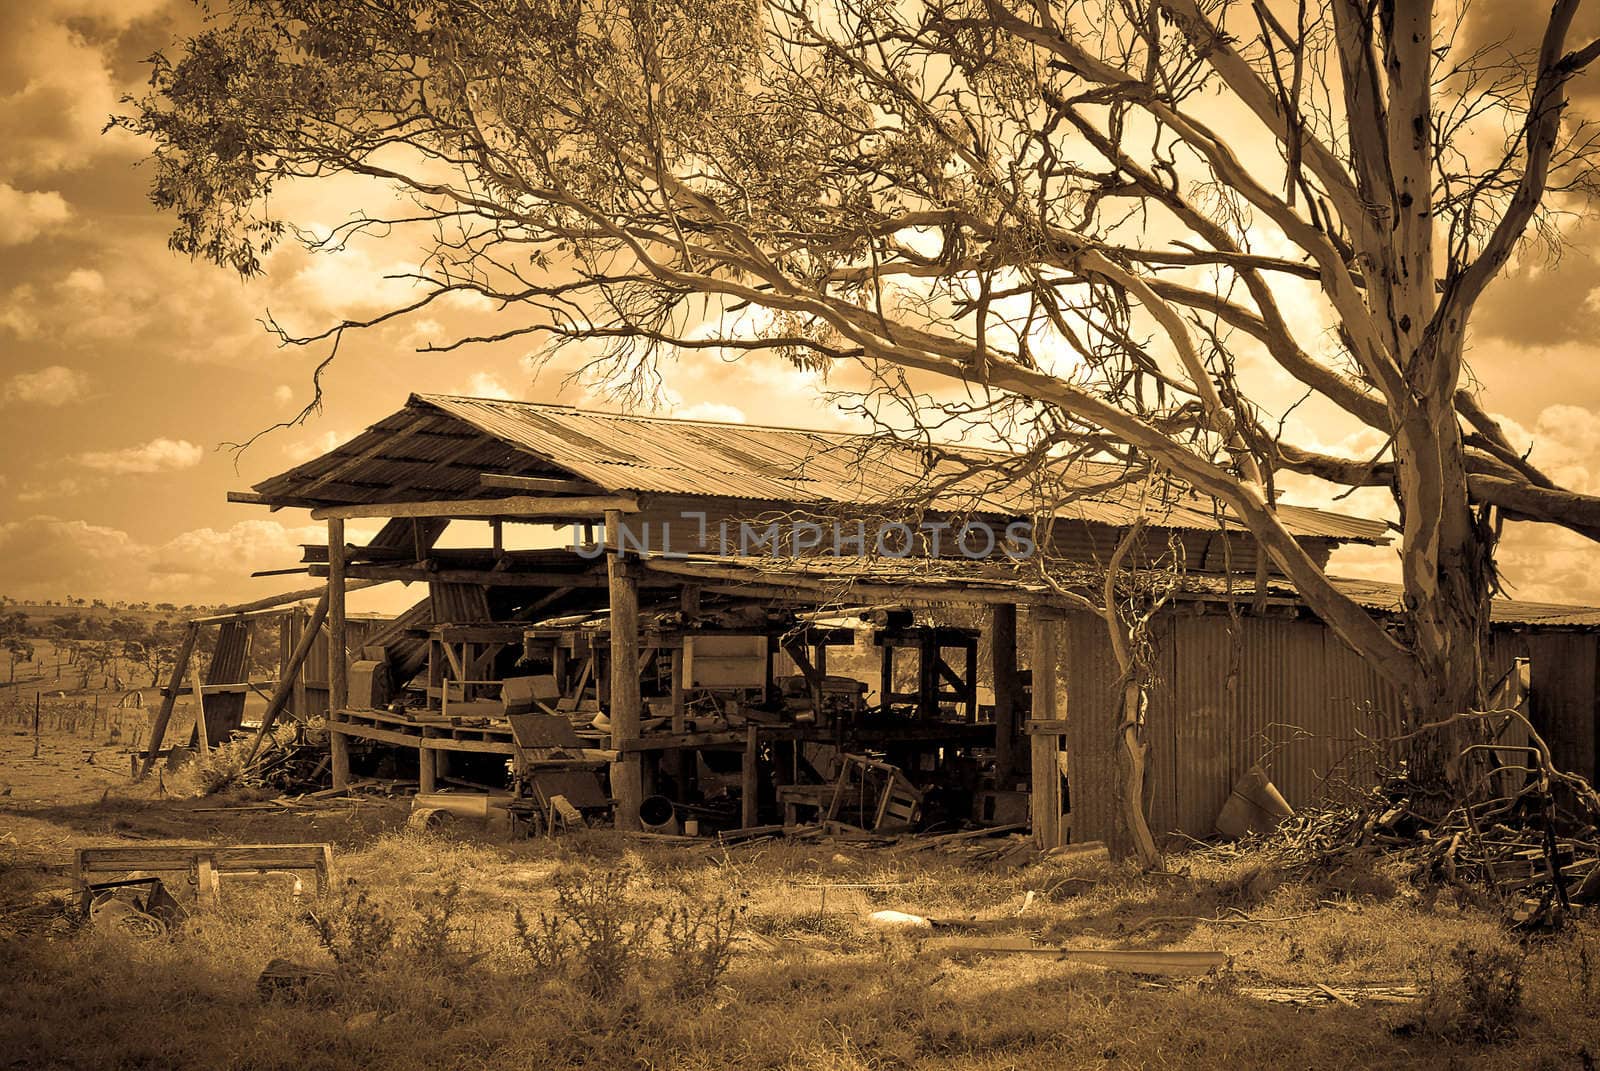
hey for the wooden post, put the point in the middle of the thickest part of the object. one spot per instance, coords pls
(627, 778)
(749, 786)
(180, 667)
(683, 760)
(1049, 706)
(200, 733)
(303, 622)
(338, 681)
(1003, 667)
(425, 770)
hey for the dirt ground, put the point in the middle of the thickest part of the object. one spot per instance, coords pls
(468, 948)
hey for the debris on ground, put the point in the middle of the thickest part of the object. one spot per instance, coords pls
(1130, 960)
(898, 920)
(1535, 854)
(284, 979)
(1348, 995)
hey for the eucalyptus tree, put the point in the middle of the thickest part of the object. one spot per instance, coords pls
(1100, 225)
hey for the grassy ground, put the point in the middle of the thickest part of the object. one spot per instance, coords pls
(428, 971)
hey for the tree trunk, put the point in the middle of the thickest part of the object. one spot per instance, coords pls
(1448, 622)
(1133, 787)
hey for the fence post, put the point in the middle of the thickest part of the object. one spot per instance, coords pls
(35, 724)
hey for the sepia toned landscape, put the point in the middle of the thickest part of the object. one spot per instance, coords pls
(787, 534)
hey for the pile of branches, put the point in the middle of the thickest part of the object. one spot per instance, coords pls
(289, 760)
(1533, 849)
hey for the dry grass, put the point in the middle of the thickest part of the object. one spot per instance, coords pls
(810, 984)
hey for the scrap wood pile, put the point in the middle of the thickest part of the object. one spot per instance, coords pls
(296, 763)
(1535, 857)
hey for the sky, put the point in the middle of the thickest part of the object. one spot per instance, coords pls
(125, 369)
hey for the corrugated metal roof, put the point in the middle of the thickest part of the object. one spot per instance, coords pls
(1377, 595)
(658, 455)
(957, 574)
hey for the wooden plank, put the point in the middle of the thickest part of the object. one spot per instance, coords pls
(338, 679)
(540, 484)
(428, 743)
(513, 506)
(483, 577)
(688, 741)
(275, 601)
(219, 859)
(628, 774)
(226, 689)
(487, 747)
(1049, 703)
(1133, 960)
(200, 727)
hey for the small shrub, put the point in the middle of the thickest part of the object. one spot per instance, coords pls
(596, 930)
(222, 768)
(1483, 1000)
(356, 932)
(1248, 888)
(434, 938)
(699, 940)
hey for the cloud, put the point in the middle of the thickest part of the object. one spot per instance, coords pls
(315, 446)
(235, 551)
(487, 385)
(45, 557)
(84, 281)
(53, 385)
(66, 487)
(726, 414)
(24, 215)
(58, 83)
(157, 455)
(48, 557)
(345, 283)
(283, 394)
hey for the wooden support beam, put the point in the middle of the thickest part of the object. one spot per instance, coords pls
(1049, 705)
(1007, 692)
(409, 574)
(792, 588)
(540, 484)
(236, 688)
(180, 668)
(427, 779)
(250, 498)
(338, 669)
(749, 782)
(199, 710)
(627, 775)
(514, 506)
(273, 602)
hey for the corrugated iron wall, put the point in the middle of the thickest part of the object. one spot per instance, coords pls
(1563, 703)
(315, 671)
(1288, 694)
(1283, 693)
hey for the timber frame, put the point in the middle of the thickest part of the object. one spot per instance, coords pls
(626, 640)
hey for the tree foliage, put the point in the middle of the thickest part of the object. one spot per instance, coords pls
(1091, 227)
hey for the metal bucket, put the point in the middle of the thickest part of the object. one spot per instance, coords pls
(657, 815)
